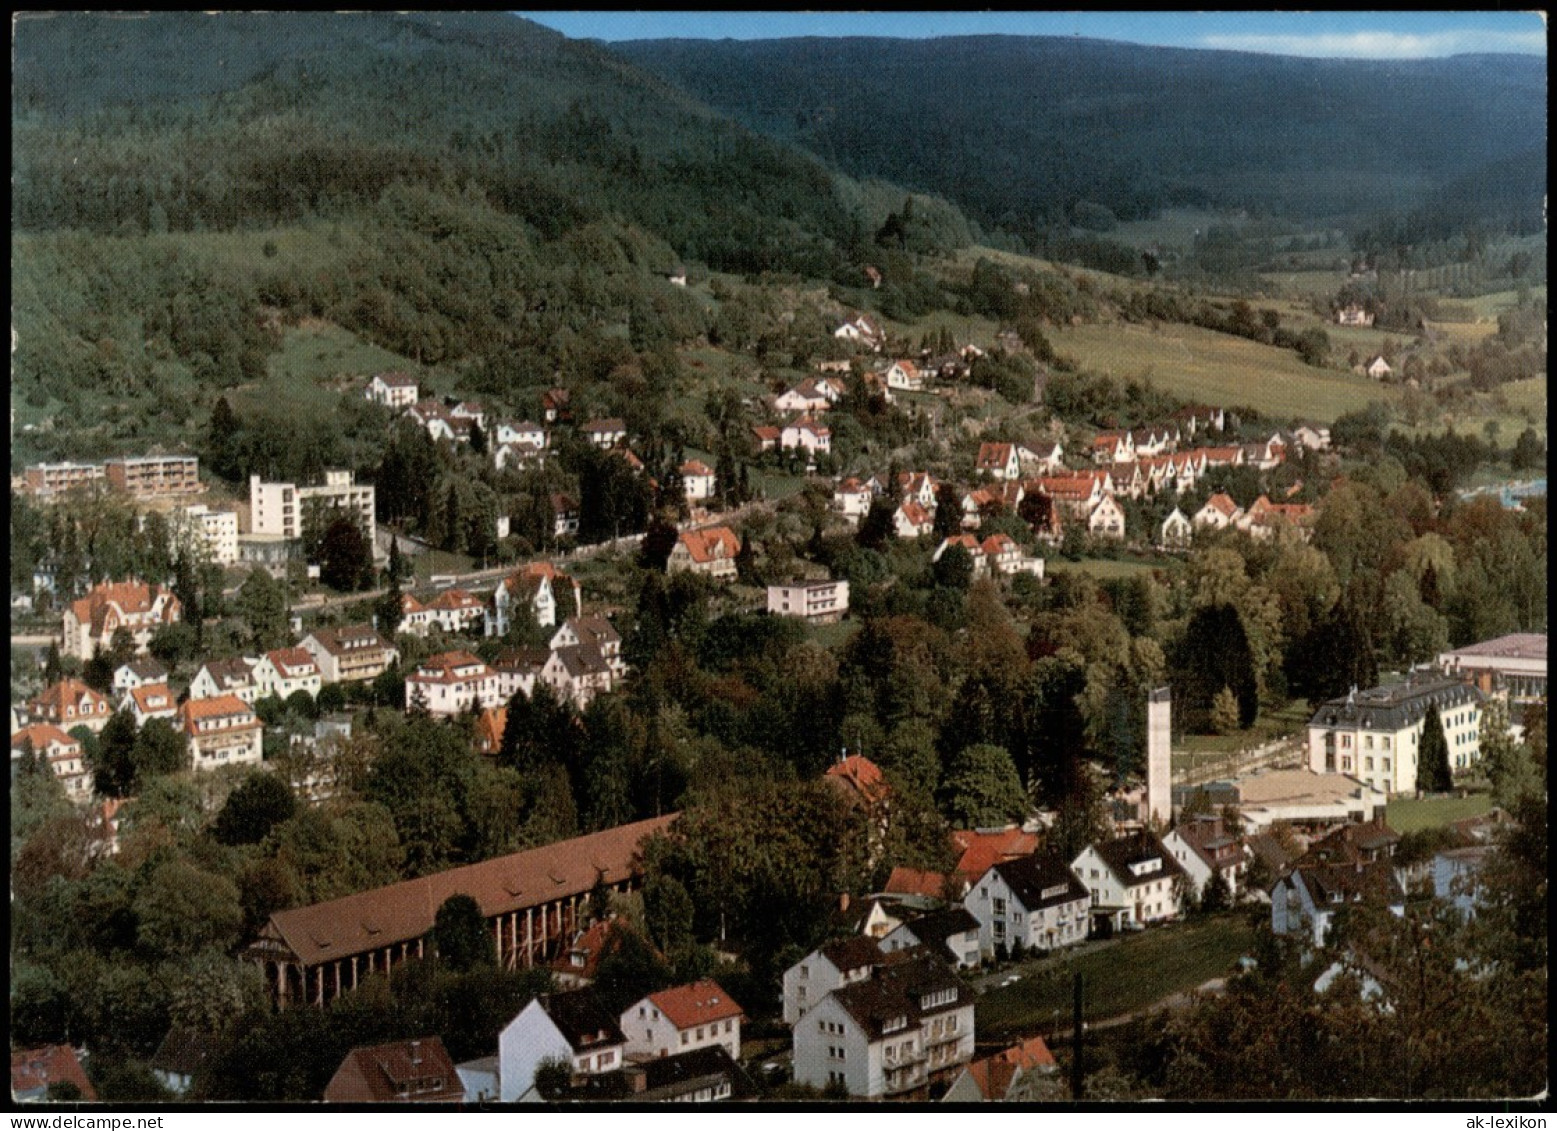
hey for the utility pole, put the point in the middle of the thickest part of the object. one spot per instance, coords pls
(1075, 1039)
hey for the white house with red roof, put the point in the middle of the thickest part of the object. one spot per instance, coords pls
(905, 376)
(90, 622)
(697, 480)
(534, 585)
(808, 435)
(1113, 447)
(149, 701)
(710, 551)
(970, 543)
(912, 519)
(137, 672)
(998, 460)
(60, 752)
(221, 731)
(864, 330)
(349, 653)
(1219, 513)
(453, 610)
(1008, 1076)
(450, 683)
(1107, 519)
(69, 704)
(283, 671)
(681, 1019)
(852, 499)
(813, 394)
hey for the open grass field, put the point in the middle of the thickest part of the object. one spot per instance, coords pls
(1289, 720)
(1135, 972)
(1202, 365)
(309, 246)
(1107, 569)
(834, 636)
(316, 363)
(1408, 814)
(1173, 228)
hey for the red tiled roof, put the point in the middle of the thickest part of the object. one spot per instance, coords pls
(33, 1070)
(403, 912)
(289, 661)
(862, 775)
(911, 881)
(982, 850)
(133, 598)
(994, 1074)
(696, 1003)
(42, 736)
(70, 692)
(705, 545)
(414, 1071)
(151, 697)
(216, 707)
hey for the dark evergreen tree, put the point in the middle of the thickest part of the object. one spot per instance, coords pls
(1432, 757)
(460, 936)
(258, 805)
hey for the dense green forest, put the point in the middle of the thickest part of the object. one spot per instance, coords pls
(1027, 131)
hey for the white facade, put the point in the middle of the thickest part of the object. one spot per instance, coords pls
(1058, 915)
(1146, 896)
(818, 601)
(815, 976)
(449, 684)
(277, 509)
(651, 1033)
(216, 531)
(532, 1039)
(286, 671)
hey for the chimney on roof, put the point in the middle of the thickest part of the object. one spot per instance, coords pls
(416, 1052)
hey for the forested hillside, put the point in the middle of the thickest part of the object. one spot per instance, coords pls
(470, 190)
(1021, 131)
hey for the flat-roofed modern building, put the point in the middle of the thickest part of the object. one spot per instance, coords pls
(820, 602)
(155, 477)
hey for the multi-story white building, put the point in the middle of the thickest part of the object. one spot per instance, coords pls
(1131, 879)
(393, 390)
(286, 671)
(894, 1034)
(841, 962)
(349, 654)
(571, 1028)
(91, 621)
(1203, 846)
(1034, 901)
(820, 602)
(221, 731)
(278, 510)
(225, 677)
(60, 752)
(214, 530)
(1375, 735)
(697, 480)
(450, 683)
(952, 935)
(681, 1019)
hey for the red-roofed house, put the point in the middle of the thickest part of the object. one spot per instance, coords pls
(905, 375)
(395, 390)
(860, 778)
(982, 848)
(1002, 1077)
(1113, 447)
(999, 461)
(710, 551)
(911, 520)
(33, 1070)
(912, 881)
(90, 623)
(697, 480)
(1219, 512)
(150, 701)
(415, 1071)
(350, 653)
(681, 1019)
(490, 725)
(285, 671)
(536, 585)
(575, 967)
(967, 542)
(221, 731)
(60, 752)
(450, 683)
(69, 704)
(806, 433)
(766, 437)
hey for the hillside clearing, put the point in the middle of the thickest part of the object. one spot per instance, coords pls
(1202, 365)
